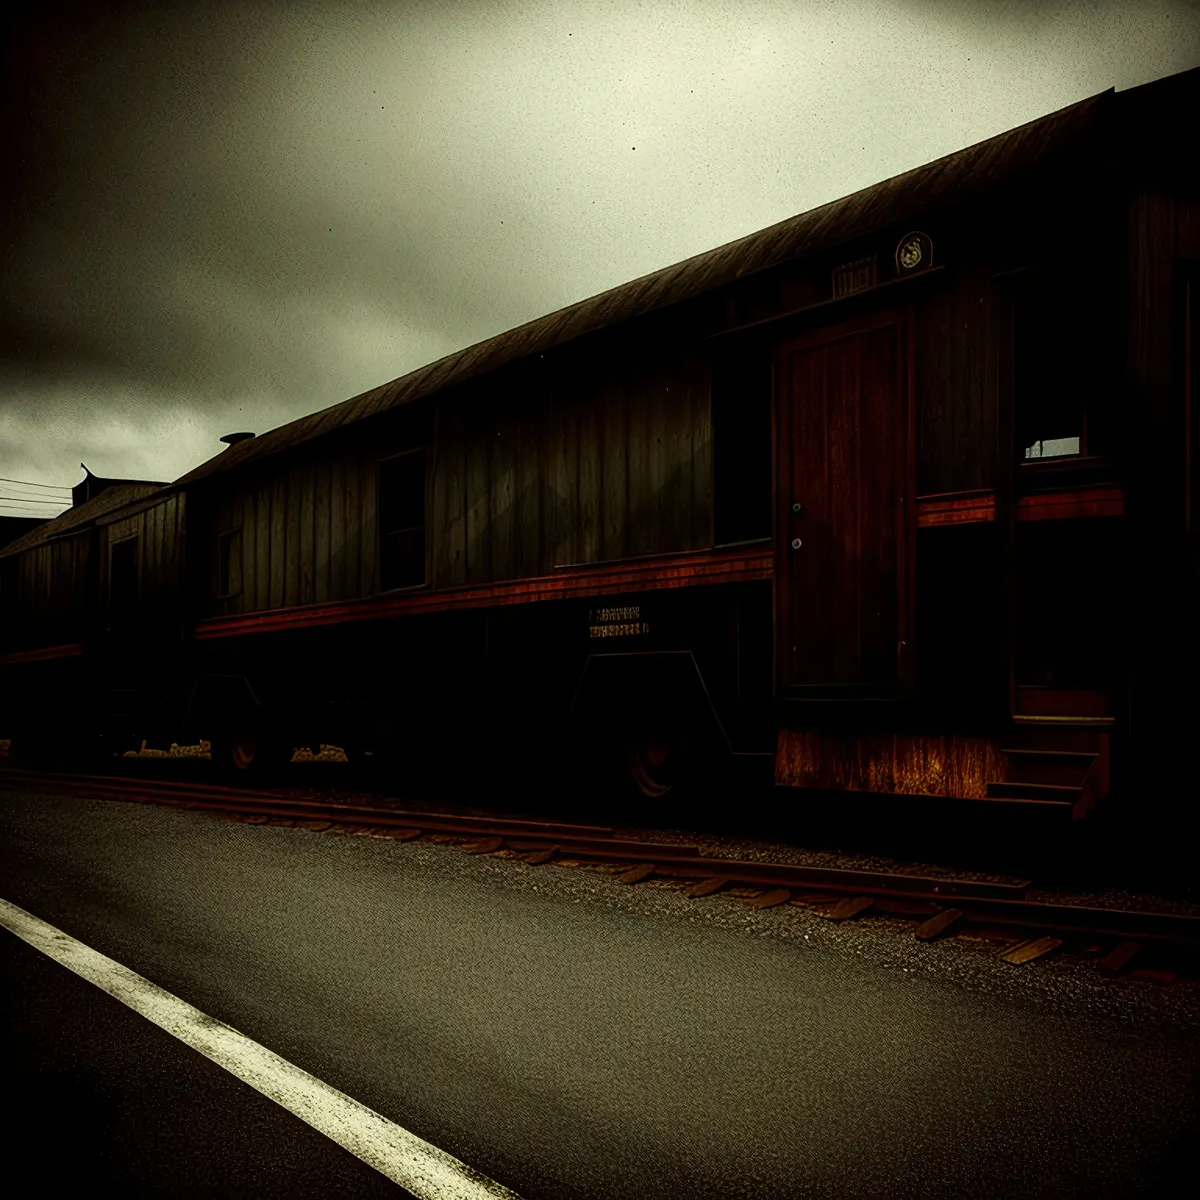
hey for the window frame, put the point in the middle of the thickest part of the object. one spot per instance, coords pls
(225, 561)
(421, 454)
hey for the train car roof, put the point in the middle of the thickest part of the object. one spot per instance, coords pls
(946, 181)
(113, 497)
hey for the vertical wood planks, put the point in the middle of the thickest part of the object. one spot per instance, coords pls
(477, 494)
(611, 395)
(448, 525)
(354, 526)
(502, 481)
(322, 567)
(368, 497)
(304, 475)
(561, 508)
(589, 434)
(530, 434)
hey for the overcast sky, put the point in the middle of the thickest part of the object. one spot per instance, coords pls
(228, 215)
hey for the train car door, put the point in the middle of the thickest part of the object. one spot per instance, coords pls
(845, 510)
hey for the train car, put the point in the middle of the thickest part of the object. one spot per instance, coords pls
(894, 497)
(55, 667)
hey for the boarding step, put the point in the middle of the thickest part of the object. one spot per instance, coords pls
(1083, 738)
(1056, 794)
(1028, 764)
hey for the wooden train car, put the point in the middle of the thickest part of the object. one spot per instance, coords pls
(895, 496)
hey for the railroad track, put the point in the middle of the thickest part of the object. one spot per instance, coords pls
(1027, 928)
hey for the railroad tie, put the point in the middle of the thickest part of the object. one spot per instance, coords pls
(484, 846)
(770, 899)
(1117, 959)
(706, 887)
(850, 907)
(1025, 952)
(636, 874)
(938, 924)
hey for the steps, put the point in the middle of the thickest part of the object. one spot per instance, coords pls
(1055, 762)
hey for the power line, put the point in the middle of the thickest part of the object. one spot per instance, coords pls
(55, 487)
(55, 503)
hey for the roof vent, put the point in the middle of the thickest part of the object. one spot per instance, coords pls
(232, 439)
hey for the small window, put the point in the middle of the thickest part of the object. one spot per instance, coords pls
(1062, 345)
(123, 583)
(229, 564)
(402, 521)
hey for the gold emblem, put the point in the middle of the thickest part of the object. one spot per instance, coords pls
(910, 253)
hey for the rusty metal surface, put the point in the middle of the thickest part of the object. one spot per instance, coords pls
(939, 184)
(907, 764)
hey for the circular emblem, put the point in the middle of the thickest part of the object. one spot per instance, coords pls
(915, 252)
(910, 253)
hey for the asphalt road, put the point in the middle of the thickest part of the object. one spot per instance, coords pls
(564, 1035)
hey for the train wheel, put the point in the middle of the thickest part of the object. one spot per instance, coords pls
(658, 762)
(246, 752)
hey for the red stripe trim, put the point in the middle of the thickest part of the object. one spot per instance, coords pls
(1102, 501)
(46, 652)
(682, 570)
(956, 508)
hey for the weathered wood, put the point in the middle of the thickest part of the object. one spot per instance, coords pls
(478, 499)
(322, 570)
(613, 398)
(368, 499)
(354, 525)
(278, 539)
(303, 475)
(502, 482)
(843, 570)
(448, 523)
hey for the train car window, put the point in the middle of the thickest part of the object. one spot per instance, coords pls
(123, 582)
(741, 400)
(402, 521)
(1062, 342)
(229, 564)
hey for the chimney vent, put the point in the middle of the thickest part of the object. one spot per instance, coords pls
(232, 439)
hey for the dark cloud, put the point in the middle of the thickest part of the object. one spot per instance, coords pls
(227, 215)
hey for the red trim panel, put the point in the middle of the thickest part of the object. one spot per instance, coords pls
(680, 570)
(956, 508)
(46, 652)
(1106, 500)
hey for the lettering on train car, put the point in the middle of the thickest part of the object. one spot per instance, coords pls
(622, 620)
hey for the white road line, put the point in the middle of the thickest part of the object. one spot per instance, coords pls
(426, 1171)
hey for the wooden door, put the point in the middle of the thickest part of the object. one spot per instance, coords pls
(843, 453)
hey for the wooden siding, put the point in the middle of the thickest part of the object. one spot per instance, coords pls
(50, 603)
(956, 383)
(159, 529)
(604, 455)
